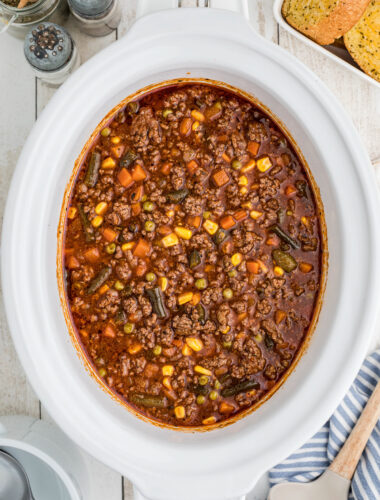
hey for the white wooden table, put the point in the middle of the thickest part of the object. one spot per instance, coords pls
(22, 98)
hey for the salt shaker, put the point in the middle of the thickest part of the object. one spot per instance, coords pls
(96, 17)
(51, 52)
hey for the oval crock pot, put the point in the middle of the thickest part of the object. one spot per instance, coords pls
(224, 463)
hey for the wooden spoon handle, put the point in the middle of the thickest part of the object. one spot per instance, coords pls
(347, 459)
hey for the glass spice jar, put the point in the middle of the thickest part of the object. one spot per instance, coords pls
(18, 22)
(96, 17)
(51, 53)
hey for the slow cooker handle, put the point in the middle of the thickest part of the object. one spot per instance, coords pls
(138, 496)
(147, 6)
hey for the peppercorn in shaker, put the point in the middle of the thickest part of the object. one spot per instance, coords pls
(51, 52)
(96, 17)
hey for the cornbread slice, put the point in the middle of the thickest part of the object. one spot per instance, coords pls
(323, 20)
(363, 40)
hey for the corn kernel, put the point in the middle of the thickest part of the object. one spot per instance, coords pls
(243, 181)
(179, 411)
(185, 297)
(305, 267)
(197, 115)
(167, 383)
(263, 267)
(168, 370)
(201, 370)
(305, 221)
(71, 213)
(170, 213)
(101, 208)
(236, 259)
(248, 167)
(278, 271)
(243, 190)
(186, 351)
(209, 421)
(170, 240)
(108, 163)
(247, 204)
(135, 348)
(195, 125)
(254, 214)
(183, 233)
(194, 343)
(127, 246)
(97, 221)
(226, 329)
(264, 164)
(210, 226)
(163, 283)
(116, 139)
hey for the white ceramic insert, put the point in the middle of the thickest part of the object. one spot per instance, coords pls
(225, 463)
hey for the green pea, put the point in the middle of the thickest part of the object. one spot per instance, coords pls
(166, 112)
(236, 165)
(201, 399)
(111, 248)
(203, 379)
(119, 285)
(232, 273)
(150, 277)
(102, 372)
(201, 283)
(149, 226)
(217, 384)
(227, 345)
(128, 328)
(105, 132)
(213, 395)
(157, 350)
(206, 214)
(148, 206)
(228, 293)
(258, 337)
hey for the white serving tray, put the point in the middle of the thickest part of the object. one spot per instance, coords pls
(341, 56)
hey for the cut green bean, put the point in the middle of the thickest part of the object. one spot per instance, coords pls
(245, 386)
(92, 173)
(284, 260)
(99, 280)
(194, 259)
(148, 400)
(284, 236)
(86, 224)
(177, 196)
(155, 297)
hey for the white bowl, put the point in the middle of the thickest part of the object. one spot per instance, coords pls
(225, 463)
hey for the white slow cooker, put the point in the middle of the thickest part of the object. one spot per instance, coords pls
(224, 463)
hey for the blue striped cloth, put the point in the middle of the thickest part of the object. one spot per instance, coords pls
(315, 456)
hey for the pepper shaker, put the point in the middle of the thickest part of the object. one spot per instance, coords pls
(96, 17)
(51, 52)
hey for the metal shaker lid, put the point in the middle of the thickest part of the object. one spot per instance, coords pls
(48, 47)
(90, 8)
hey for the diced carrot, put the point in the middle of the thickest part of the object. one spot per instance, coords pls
(141, 269)
(185, 126)
(109, 331)
(164, 230)
(279, 316)
(240, 215)
(135, 317)
(226, 158)
(125, 178)
(225, 407)
(138, 173)
(84, 333)
(242, 316)
(142, 248)
(92, 255)
(118, 150)
(253, 147)
(305, 267)
(72, 262)
(253, 267)
(137, 193)
(192, 166)
(136, 208)
(289, 190)
(177, 342)
(227, 222)
(109, 234)
(134, 348)
(165, 169)
(103, 289)
(209, 268)
(194, 221)
(69, 251)
(271, 241)
(196, 298)
(220, 178)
